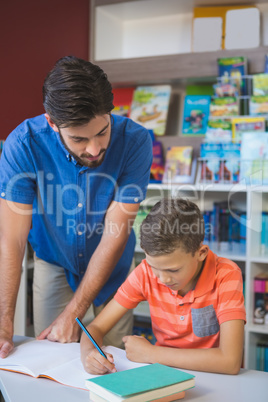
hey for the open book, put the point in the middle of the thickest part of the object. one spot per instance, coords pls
(57, 361)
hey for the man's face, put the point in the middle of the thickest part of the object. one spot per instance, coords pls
(178, 270)
(87, 143)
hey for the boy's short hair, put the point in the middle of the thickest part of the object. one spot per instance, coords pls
(172, 224)
(75, 91)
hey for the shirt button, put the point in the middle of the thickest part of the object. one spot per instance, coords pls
(79, 233)
(80, 255)
(80, 205)
(82, 272)
(181, 317)
(3, 194)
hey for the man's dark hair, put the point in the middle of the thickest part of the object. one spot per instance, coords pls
(172, 224)
(75, 91)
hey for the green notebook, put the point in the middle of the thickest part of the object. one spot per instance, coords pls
(156, 380)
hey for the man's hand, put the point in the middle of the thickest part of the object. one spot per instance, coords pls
(6, 345)
(64, 329)
(95, 363)
(138, 349)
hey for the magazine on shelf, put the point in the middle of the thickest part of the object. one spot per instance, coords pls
(178, 166)
(254, 158)
(242, 124)
(227, 106)
(150, 107)
(258, 105)
(219, 130)
(260, 84)
(231, 70)
(195, 114)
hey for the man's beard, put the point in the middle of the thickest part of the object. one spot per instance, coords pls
(81, 160)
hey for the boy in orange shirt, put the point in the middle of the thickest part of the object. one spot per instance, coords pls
(195, 298)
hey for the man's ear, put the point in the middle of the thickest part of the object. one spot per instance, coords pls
(203, 252)
(50, 122)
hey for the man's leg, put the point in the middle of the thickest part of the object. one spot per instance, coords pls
(51, 294)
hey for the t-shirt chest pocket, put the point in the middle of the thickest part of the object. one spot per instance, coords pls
(204, 321)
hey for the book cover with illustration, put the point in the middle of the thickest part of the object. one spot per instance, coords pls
(254, 157)
(122, 100)
(242, 125)
(230, 164)
(210, 154)
(227, 106)
(178, 164)
(260, 84)
(219, 130)
(150, 107)
(232, 70)
(195, 114)
(258, 105)
(158, 164)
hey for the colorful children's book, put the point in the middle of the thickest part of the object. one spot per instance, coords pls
(195, 115)
(260, 298)
(150, 107)
(258, 105)
(158, 164)
(178, 165)
(230, 164)
(210, 154)
(254, 158)
(227, 106)
(147, 383)
(243, 124)
(219, 131)
(122, 100)
(260, 84)
(232, 70)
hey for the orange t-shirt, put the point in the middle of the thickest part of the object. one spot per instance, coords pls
(191, 321)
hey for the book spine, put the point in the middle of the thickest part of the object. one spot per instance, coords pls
(260, 302)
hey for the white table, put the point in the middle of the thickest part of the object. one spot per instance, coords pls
(247, 386)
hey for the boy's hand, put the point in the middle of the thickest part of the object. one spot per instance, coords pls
(138, 349)
(95, 363)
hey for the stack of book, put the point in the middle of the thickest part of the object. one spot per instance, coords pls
(154, 382)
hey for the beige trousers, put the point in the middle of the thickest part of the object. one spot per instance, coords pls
(51, 294)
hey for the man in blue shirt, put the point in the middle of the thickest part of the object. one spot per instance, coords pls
(71, 181)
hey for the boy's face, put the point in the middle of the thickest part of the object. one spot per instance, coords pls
(178, 270)
(87, 143)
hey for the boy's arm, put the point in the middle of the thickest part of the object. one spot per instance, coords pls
(93, 361)
(225, 359)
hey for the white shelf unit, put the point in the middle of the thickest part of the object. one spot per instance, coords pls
(253, 200)
(149, 41)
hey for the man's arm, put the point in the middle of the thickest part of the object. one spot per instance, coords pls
(225, 359)
(15, 223)
(118, 222)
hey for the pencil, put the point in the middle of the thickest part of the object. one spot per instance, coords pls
(90, 337)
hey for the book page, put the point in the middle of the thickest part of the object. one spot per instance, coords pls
(58, 361)
(120, 359)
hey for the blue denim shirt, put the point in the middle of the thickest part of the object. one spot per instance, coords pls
(70, 200)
